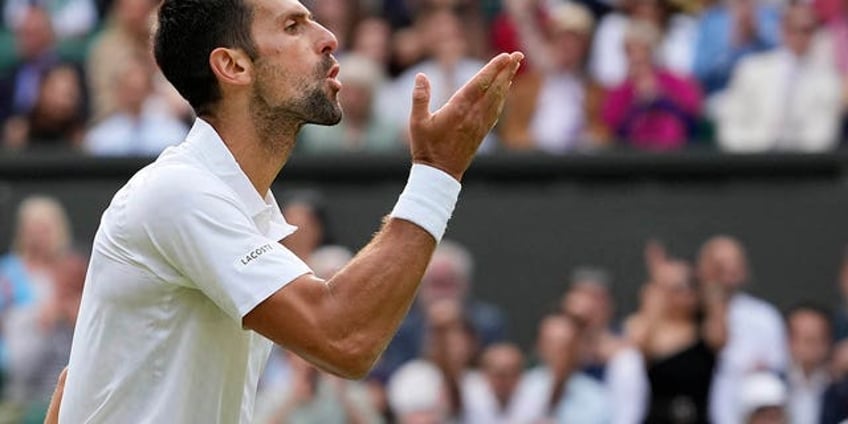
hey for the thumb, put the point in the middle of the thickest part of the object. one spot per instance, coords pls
(420, 99)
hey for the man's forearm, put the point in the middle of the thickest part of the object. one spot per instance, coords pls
(371, 296)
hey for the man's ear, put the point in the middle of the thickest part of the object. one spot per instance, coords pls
(231, 66)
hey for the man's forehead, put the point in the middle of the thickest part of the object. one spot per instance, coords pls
(274, 9)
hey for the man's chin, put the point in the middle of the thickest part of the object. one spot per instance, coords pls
(328, 119)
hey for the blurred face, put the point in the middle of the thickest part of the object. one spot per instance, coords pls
(309, 230)
(372, 40)
(60, 94)
(294, 73)
(502, 366)
(647, 10)
(724, 263)
(568, 49)
(589, 302)
(135, 85)
(639, 56)
(799, 26)
(41, 233)
(136, 15)
(674, 281)
(557, 337)
(445, 36)
(809, 339)
(442, 280)
(34, 35)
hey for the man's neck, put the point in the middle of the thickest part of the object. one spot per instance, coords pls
(261, 153)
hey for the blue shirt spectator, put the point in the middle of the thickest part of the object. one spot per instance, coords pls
(729, 31)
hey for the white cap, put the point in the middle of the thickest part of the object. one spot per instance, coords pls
(417, 386)
(761, 390)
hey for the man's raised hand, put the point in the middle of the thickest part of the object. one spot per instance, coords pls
(448, 138)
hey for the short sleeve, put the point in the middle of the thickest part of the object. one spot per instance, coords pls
(205, 235)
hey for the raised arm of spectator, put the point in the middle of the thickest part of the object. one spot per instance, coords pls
(343, 324)
(533, 42)
(714, 328)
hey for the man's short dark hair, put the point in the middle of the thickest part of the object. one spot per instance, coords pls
(811, 307)
(188, 31)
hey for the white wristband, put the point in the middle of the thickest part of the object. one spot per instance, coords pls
(428, 199)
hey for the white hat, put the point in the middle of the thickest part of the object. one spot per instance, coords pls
(417, 386)
(572, 16)
(761, 390)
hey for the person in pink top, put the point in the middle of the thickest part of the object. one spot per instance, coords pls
(653, 109)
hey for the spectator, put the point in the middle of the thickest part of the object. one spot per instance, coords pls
(39, 339)
(552, 115)
(372, 39)
(35, 43)
(57, 118)
(140, 125)
(555, 390)
(728, 31)
(306, 211)
(831, 44)
(313, 396)
(417, 394)
(783, 99)
(835, 403)
(448, 277)
(491, 400)
(361, 130)
(41, 239)
(654, 109)
(763, 400)
(809, 349)
(70, 18)
(605, 355)
(675, 47)
(450, 65)
(451, 345)
(126, 37)
(680, 348)
(756, 339)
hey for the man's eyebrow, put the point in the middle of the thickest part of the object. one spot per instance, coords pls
(297, 15)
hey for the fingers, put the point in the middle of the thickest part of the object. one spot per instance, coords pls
(483, 80)
(495, 98)
(420, 99)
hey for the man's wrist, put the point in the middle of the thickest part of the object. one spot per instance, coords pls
(428, 199)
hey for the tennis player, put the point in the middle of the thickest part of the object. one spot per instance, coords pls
(188, 284)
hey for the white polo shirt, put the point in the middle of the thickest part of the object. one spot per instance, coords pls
(185, 250)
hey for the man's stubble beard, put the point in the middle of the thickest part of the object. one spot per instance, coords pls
(274, 122)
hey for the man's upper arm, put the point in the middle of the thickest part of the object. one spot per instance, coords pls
(292, 317)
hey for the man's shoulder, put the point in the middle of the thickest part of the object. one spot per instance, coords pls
(172, 177)
(755, 308)
(168, 189)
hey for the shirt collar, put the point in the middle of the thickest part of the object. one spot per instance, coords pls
(205, 142)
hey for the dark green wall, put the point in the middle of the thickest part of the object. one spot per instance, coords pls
(529, 220)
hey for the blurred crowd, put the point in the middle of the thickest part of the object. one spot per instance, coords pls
(697, 349)
(656, 75)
